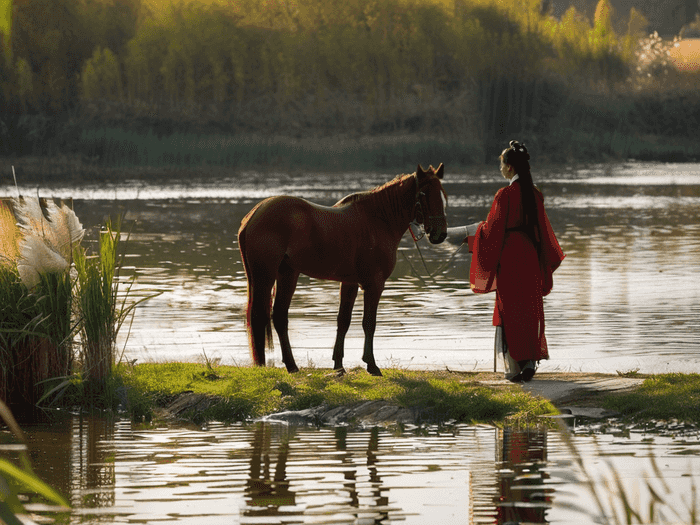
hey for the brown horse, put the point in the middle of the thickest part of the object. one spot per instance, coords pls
(354, 242)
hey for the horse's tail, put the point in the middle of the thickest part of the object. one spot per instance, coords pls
(257, 351)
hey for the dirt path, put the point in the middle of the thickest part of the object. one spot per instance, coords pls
(578, 388)
(580, 394)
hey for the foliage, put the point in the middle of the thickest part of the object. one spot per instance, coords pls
(45, 301)
(6, 25)
(35, 290)
(14, 478)
(97, 298)
(616, 503)
(472, 72)
(187, 149)
(101, 76)
(246, 393)
(199, 53)
(661, 397)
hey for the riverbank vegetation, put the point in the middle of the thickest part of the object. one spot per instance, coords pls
(661, 397)
(243, 393)
(60, 305)
(362, 85)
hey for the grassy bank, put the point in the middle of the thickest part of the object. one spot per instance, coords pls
(239, 393)
(245, 393)
(661, 397)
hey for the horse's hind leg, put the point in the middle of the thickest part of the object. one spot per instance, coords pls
(348, 294)
(259, 295)
(286, 285)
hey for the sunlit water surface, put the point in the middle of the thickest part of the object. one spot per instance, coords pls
(116, 472)
(626, 297)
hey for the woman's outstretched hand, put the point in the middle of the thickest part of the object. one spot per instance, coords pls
(459, 234)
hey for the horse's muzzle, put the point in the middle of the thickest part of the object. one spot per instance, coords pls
(437, 236)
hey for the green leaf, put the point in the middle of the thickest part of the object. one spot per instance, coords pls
(32, 482)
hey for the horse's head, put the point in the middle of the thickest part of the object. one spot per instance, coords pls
(430, 206)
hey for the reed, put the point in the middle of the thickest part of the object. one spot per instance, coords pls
(133, 149)
(615, 503)
(20, 477)
(102, 309)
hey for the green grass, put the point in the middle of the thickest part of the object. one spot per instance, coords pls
(244, 393)
(661, 398)
(102, 310)
(35, 335)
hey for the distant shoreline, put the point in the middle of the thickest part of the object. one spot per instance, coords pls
(207, 156)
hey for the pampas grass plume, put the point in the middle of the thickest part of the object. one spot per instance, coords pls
(9, 237)
(49, 233)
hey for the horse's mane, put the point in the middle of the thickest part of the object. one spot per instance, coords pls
(368, 194)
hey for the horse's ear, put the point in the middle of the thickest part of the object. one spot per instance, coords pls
(440, 171)
(420, 170)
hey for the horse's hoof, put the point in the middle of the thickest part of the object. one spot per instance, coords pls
(292, 369)
(338, 372)
(374, 370)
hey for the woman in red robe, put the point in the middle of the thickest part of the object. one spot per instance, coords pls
(515, 253)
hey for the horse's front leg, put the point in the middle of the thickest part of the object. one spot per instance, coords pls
(369, 323)
(348, 294)
(286, 285)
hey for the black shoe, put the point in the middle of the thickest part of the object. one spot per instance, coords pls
(527, 373)
(516, 379)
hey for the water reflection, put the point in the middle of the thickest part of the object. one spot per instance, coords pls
(114, 471)
(524, 493)
(267, 491)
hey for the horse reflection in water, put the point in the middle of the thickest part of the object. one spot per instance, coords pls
(268, 493)
(354, 242)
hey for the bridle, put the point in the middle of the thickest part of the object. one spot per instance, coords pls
(421, 203)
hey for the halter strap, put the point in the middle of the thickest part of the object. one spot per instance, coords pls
(419, 194)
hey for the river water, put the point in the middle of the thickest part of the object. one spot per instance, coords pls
(264, 473)
(626, 297)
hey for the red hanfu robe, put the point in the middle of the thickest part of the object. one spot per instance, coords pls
(506, 260)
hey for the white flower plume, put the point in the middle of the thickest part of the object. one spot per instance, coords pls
(49, 234)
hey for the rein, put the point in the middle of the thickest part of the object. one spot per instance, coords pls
(417, 224)
(418, 207)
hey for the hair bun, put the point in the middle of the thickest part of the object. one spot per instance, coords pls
(520, 148)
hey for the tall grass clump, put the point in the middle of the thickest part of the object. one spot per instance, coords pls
(51, 291)
(101, 309)
(36, 296)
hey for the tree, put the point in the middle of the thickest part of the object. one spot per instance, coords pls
(101, 76)
(6, 27)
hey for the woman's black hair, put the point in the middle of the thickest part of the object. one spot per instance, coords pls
(517, 156)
